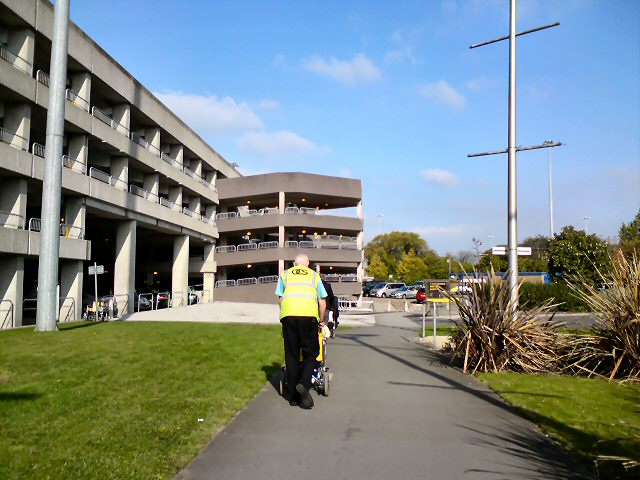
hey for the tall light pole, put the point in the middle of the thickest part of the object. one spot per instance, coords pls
(47, 305)
(551, 227)
(379, 216)
(586, 223)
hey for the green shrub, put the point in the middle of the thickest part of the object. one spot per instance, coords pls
(535, 294)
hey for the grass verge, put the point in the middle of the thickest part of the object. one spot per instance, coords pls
(589, 417)
(123, 400)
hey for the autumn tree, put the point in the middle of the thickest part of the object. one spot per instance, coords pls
(412, 268)
(377, 268)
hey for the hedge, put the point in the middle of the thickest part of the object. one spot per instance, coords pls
(534, 294)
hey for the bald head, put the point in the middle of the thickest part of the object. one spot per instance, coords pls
(301, 260)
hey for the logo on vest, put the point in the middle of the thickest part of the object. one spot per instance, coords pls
(299, 271)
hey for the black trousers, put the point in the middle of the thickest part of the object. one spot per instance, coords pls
(300, 335)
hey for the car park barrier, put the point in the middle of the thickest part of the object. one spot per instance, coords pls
(167, 298)
(141, 192)
(332, 277)
(13, 220)
(191, 213)
(307, 211)
(34, 224)
(348, 278)
(71, 231)
(268, 279)
(225, 283)
(145, 296)
(265, 245)
(348, 246)
(69, 163)
(169, 204)
(105, 118)
(289, 210)
(29, 307)
(7, 320)
(247, 281)
(226, 249)
(208, 221)
(246, 246)
(106, 178)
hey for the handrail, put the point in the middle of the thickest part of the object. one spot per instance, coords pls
(247, 281)
(145, 295)
(8, 219)
(71, 231)
(141, 192)
(77, 100)
(8, 315)
(225, 249)
(348, 246)
(9, 137)
(225, 215)
(290, 244)
(307, 211)
(268, 279)
(38, 149)
(168, 295)
(106, 178)
(225, 283)
(15, 60)
(291, 210)
(102, 116)
(331, 245)
(246, 246)
(169, 204)
(69, 163)
(306, 244)
(35, 224)
(264, 245)
(208, 221)
(42, 77)
(268, 211)
(191, 213)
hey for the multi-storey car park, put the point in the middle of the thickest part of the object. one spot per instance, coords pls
(139, 191)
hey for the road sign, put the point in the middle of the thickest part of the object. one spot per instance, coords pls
(96, 269)
(522, 251)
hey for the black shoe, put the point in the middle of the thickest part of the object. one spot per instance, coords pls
(293, 403)
(306, 401)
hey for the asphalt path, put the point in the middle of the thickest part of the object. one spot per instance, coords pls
(395, 412)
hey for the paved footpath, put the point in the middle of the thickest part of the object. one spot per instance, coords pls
(394, 413)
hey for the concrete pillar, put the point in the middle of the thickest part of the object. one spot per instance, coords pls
(196, 166)
(180, 269)
(209, 269)
(13, 200)
(124, 274)
(11, 286)
(210, 211)
(177, 153)
(210, 176)
(17, 119)
(21, 41)
(359, 209)
(122, 114)
(75, 212)
(281, 203)
(280, 266)
(71, 278)
(175, 195)
(195, 203)
(81, 85)
(120, 168)
(152, 135)
(152, 183)
(78, 148)
(281, 235)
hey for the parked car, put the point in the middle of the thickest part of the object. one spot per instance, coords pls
(366, 290)
(387, 289)
(408, 291)
(421, 295)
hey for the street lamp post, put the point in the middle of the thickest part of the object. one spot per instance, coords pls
(586, 223)
(551, 229)
(379, 216)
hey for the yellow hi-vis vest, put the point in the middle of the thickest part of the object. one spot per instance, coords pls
(300, 297)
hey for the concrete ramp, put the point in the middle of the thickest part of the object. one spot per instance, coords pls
(231, 312)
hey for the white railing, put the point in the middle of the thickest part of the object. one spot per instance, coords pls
(346, 305)
(348, 278)
(13, 139)
(225, 215)
(69, 163)
(268, 279)
(208, 184)
(170, 161)
(247, 281)
(77, 100)
(103, 117)
(141, 192)
(37, 149)
(246, 246)
(12, 220)
(290, 244)
(208, 221)
(71, 231)
(226, 249)
(106, 178)
(35, 224)
(291, 210)
(268, 211)
(329, 245)
(15, 60)
(307, 211)
(225, 283)
(306, 244)
(42, 77)
(348, 246)
(332, 278)
(191, 173)
(191, 213)
(264, 245)
(169, 204)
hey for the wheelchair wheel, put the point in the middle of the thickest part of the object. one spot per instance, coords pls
(325, 388)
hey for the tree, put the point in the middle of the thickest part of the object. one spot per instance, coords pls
(575, 253)
(438, 267)
(630, 236)
(412, 268)
(377, 268)
(391, 247)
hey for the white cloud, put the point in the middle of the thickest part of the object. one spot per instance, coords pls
(268, 104)
(440, 177)
(481, 83)
(277, 144)
(439, 230)
(209, 114)
(442, 92)
(400, 55)
(359, 69)
(345, 172)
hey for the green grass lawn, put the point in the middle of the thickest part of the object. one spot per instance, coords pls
(122, 400)
(586, 416)
(439, 331)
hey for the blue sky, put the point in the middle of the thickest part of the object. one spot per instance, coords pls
(390, 93)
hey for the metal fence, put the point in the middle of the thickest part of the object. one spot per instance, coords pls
(170, 161)
(264, 245)
(306, 244)
(346, 305)
(15, 60)
(348, 246)
(268, 279)
(247, 281)
(102, 116)
(148, 297)
(169, 204)
(38, 149)
(208, 221)
(167, 298)
(11, 220)
(191, 213)
(290, 244)
(42, 77)
(77, 100)
(75, 165)
(6, 306)
(141, 192)
(268, 211)
(35, 224)
(106, 178)
(71, 231)
(226, 249)
(225, 215)
(225, 283)
(246, 246)
(13, 139)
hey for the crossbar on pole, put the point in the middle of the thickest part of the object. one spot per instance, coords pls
(518, 149)
(506, 37)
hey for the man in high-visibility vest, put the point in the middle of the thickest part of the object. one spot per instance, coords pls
(302, 307)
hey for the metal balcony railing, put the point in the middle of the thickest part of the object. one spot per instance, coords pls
(246, 246)
(38, 149)
(141, 192)
(77, 100)
(225, 215)
(105, 118)
(348, 246)
(170, 161)
(247, 281)
(191, 213)
(268, 279)
(75, 165)
(13, 139)
(290, 210)
(329, 245)
(226, 249)
(268, 211)
(306, 244)
(291, 244)
(34, 224)
(42, 77)
(225, 283)
(71, 231)
(140, 140)
(208, 221)
(169, 204)
(265, 245)
(307, 211)
(15, 60)
(11, 220)
(106, 178)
